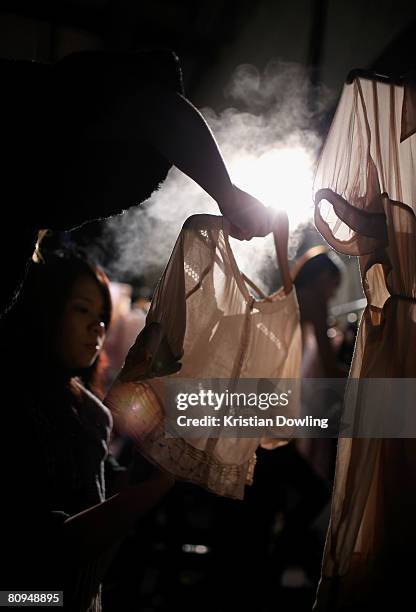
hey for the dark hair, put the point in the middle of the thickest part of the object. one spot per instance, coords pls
(29, 328)
(313, 267)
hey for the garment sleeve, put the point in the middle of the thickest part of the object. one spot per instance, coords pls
(349, 209)
(160, 344)
(408, 123)
(159, 347)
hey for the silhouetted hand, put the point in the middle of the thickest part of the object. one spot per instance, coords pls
(247, 215)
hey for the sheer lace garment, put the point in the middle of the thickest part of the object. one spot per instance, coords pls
(365, 194)
(219, 330)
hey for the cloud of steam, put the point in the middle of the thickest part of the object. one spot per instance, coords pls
(270, 149)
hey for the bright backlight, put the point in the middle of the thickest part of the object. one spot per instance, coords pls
(281, 178)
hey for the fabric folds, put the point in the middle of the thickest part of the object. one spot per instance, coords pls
(365, 190)
(203, 314)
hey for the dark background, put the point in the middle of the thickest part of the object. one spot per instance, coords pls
(328, 37)
(212, 38)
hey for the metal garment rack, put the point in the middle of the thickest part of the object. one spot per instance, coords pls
(370, 75)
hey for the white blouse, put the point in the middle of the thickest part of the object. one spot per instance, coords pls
(207, 318)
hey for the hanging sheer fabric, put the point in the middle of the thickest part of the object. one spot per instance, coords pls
(203, 314)
(365, 194)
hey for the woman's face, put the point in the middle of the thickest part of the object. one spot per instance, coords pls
(82, 330)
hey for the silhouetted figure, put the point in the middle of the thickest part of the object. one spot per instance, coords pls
(94, 134)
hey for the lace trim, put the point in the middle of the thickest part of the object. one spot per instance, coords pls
(138, 413)
(185, 462)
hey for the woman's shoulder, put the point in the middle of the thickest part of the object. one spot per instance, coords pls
(92, 411)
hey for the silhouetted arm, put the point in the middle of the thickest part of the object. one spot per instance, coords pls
(177, 130)
(94, 531)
